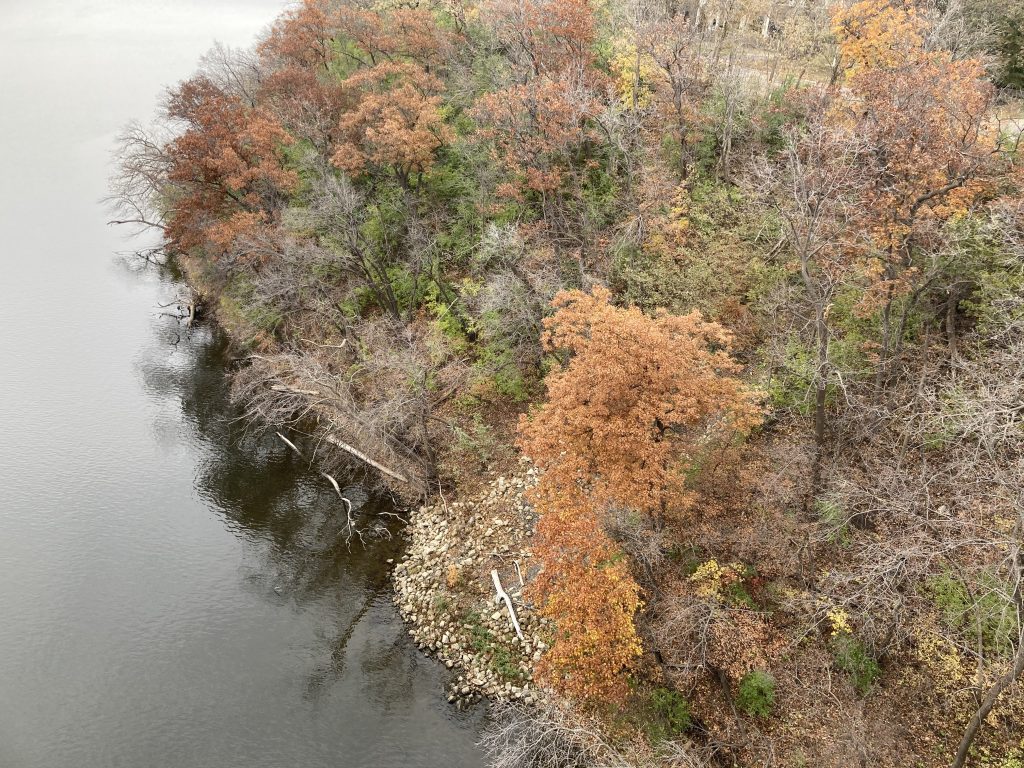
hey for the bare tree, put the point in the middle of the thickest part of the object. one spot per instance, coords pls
(551, 735)
(238, 72)
(941, 484)
(139, 194)
(814, 191)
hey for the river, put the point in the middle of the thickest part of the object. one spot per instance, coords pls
(173, 592)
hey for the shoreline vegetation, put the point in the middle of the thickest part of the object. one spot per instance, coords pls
(695, 327)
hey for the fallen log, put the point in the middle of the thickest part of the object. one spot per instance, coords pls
(295, 391)
(503, 595)
(363, 457)
(331, 480)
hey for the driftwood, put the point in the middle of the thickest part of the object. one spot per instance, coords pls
(336, 442)
(294, 391)
(326, 346)
(503, 596)
(349, 522)
(337, 488)
(289, 443)
(363, 457)
(331, 480)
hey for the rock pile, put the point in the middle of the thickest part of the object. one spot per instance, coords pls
(443, 588)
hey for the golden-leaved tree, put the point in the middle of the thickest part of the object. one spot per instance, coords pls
(924, 118)
(637, 402)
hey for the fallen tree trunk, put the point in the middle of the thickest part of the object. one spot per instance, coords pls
(363, 457)
(355, 452)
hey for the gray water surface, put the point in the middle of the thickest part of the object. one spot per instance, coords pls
(172, 593)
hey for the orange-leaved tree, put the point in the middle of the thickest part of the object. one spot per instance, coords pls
(637, 402)
(225, 169)
(542, 125)
(302, 36)
(536, 129)
(552, 37)
(396, 123)
(587, 590)
(924, 117)
(398, 34)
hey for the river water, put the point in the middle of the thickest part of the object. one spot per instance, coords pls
(172, 593)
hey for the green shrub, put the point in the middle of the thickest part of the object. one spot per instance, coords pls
(483, 641)
(988, 613)
(668, 715)
(789, 386)
(776, 114)
(756, 695)
(441, 603)
(505, 664)
(246, 317)
(477, 440)
(852, 657)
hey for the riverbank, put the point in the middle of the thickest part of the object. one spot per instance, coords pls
(444, 590)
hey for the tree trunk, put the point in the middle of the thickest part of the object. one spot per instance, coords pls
(987, 704)
(819, 415)
(883, 362)
(821, 331)
(1014, 673)
(951, 306)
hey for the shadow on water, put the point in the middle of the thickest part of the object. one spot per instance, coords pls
(297, 552)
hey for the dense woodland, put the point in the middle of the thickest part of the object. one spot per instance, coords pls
(744, 278)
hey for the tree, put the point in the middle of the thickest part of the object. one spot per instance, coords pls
(943, 566)
(923, 116)
(817, 186)
(224, 169)
(536, 129)
(302, 36)
(637, 400)
(542, 125)
(137, 187)
(682, 52)
(545, 37)
(395, 124)
(308, 104)
(238, 72)
(401, 34)
(587, 590)
(300, 86)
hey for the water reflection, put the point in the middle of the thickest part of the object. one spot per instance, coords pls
(294, 524)
(298, 556)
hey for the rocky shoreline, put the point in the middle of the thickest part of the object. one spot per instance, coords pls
(444, 590)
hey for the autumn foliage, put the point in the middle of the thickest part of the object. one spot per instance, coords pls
(302, 36)
(225, 168)
(396, 122)
(590, 594)
(539, 124)
(535, 129)
(638, 400)
(394, 202)
(546, 37)
(923, 117)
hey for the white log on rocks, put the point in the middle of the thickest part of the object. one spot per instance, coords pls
(503, 596)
